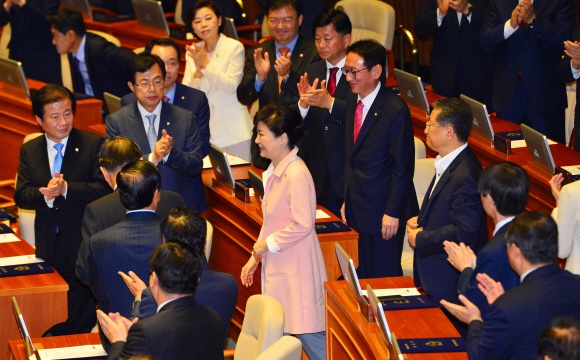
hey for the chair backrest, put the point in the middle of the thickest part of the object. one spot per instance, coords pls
(178, 16)
(4, 40)
(263, 326)
(108, 37)
(286, 348)
(420, 152)
(230, 29)
(265, 29)
(139, 50)
(26, 217)
(208, 239)
(371, 19)
(424, 172)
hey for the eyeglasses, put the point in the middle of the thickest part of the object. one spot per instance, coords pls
(352, 72)
(146, 84)
(428, 124)
(287, 21)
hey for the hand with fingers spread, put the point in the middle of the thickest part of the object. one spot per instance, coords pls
(262, 64)
(460, 256)
(114, 326)
(134, 283)
(556, 185)
(318, 97)
(467, 313)
(490, 288)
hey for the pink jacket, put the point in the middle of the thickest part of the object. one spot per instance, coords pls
(295, 275)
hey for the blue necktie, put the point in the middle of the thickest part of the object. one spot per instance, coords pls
(57, 159)
(151, 134)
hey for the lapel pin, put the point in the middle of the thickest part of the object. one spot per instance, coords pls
(183, 97)
(218, 55)
(168, 123)
(376, 114)
(77, 149)
(284, 175)
(301, 55)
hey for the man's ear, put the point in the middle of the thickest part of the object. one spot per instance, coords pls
(130, 84)
(376, 71)
(300, 18)
(346, 40)
(38, 120)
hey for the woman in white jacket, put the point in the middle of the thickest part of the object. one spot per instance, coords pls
(215, 66)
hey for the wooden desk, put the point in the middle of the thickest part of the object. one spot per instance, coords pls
(41, 298)
(236, 227)
(18, 351)
(349, 336)
(17, 121)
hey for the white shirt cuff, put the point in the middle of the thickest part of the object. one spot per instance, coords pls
(469, 18)
(50, 203)
(258, 84)
(150, 158)
(439, 18)
(165, 158)
(508, 30)
(303, 112)
(575, 73)
(274, 249)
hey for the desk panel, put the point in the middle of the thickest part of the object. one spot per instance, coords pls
(18, 351)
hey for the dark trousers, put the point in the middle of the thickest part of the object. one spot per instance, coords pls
(328, 197)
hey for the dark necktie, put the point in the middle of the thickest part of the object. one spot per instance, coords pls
(77, 76)
(331, 86)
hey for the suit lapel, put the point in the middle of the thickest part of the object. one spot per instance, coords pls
(166, 120)
(42, 154)
(272, 80)
(425, 204)
(373, 115)
(342, 87)
(71, 152)
(179, 97)
(137, 129)
(297, 56)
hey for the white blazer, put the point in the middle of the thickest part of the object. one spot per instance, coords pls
(567, 216)
(229, 121)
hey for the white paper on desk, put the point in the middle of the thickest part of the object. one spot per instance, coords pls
(252, 193)
(320, 214)
(20, 260)
(391, 292)
(73, 352)
(574, 170)
(232, 159)
(522, 143)
(4, 238)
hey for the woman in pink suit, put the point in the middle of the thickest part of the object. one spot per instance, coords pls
(293, 270)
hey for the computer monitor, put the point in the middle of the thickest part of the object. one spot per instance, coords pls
(150, 14)
(30, 349)
(230, 29)
(539, 149)
(13, 78)
(412, 90)
(113, 102)
(81, 6)
(481, 125)
(257, 184)
(348, 272)
(221, 166)
(379, 316)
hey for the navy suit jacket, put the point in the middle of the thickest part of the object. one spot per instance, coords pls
(379, 168)
(182, 171)
(535, 52)
(189, 99)
(216, 290)
(324, 132)
(516, 319)
(126, 246)
(452, 212)
(566, 77)
(492, 260)
(182, 329)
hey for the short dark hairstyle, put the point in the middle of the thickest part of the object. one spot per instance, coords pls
(183, 225)
(561, 339)
(164, 42)
(118, 152)
(203, 4)
(65, 19)
(335, 17)
(536, 235)
(457, 114)
(373, 54)
(137, 182)
(143, 62)
(49, 94)
(508, 185)
(178, 268)
(279, 4)
(281, 118)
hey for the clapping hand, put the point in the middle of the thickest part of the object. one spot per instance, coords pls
(283, 65)
(317, 97)
(466, 313)
(443, 6)
(114, 326)
(460, 256)
(162, 147)
(262, 64)
(134, 283)
(303, 88)
(572, 49)
(461, 6)
(56, 187)
(489, 287)
(199, 56)
(525, 10)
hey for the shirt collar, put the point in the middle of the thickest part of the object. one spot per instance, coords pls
(526, 274)
(370, 98)
(50, 144)
(290, 46)
(340, 64)
(80, 54)
(442, 163)
(171, 93)
(165, 303)
(500, 224)
(140, 210)
(144, 112)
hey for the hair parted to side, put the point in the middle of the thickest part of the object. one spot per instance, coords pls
(142, 62)
(508, 185)
(65, 19)
(49, 94)
(118, 152)
(281, 118)
(373, 54)
(457, 114)
(536, 235)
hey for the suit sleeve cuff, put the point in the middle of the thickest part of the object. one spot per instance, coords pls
(258, 84)
(303, 112)
(508, 30)
(439, 18)
(49, 203)
(274, 249)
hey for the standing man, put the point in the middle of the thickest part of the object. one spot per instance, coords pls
(458, 66)
(568, 72)
(452, 208)
(527, 41)
(175, 93)
(58, 176)
(380, 162)
(273, 68)
(324, 109)
(167, 134)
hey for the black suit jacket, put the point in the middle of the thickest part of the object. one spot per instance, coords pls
(324, 132)
(189, 99)
(181, 330)
(182, 171)
(452, 212)
(108, 211)
(380, 166)
(456, 58)
(514, 321)
(104, 57)
(304, 54)
(80, 168)
(566, 77)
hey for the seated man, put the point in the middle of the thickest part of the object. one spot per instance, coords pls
(181, 329)
(108, 210)
(504, 188)
(216, 290)
(560, 340)
(514, 320)
(96, 65)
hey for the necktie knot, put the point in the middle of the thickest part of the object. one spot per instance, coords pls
(284, 51)
(151, 119)
(333, 71)
(166, 98)
(58, 147)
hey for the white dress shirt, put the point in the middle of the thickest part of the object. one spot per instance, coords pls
(165, 303)
(368, 101)
(157, 113)
(442, 163)
(339, 65)
(459, 15)
(500, 224)
(508, 30)
(51, 155)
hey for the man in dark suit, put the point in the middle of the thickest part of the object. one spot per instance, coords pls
(30, 41)
(379, 161)
(568, 72)
(324, 109)
(196, 332)
(458, 66)
(96, 65)
(515, 319)
(273, 68)
(560, 340)
(108, 210)
(527, 41)
(167, 134)
(175, 93)
(452, 208)
(73, 157)
(504, 188)
(216, 290)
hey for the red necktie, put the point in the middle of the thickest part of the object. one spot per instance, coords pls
(358, 119)
(165, 98)
(283, 51)
(331, 86)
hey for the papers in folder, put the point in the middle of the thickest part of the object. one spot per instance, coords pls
(73, 352)
(232, 159)
(391, 292)
(20, 260)
(4, 238)
(522, 143)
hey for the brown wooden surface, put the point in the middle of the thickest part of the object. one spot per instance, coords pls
(18, 350)
(17, 121)
(41, 298)
(349, 336)
(236, 227)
